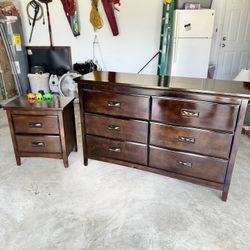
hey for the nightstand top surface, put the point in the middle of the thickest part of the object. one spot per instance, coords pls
(21, 103)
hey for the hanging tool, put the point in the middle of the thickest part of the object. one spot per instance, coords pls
(108, 6)
(95, 18)
(70, 9)
(38, 14)
(46, 2)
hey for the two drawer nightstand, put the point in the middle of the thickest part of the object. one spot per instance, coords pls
(42, 130)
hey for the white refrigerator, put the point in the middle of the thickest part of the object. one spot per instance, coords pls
(191, 45)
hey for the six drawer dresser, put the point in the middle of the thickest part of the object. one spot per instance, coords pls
(179, 127)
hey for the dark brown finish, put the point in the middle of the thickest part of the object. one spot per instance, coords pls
(127, 151)
(118, 105)
(42, 130)
(42, 144)
(195, 113)
(234, 150)
(188, 164)
(194, 126)
(191, 139)
(36, 124)
(127, 130)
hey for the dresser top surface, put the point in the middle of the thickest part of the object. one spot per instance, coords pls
(169, 83)
(21, 103)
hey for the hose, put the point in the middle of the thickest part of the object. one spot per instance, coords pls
(39, 16)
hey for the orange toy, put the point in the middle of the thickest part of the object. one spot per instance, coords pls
(31, 98)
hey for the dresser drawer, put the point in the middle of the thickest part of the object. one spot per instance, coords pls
(116, 104)
(131, 152)
(128, 130)
(188, 164)
(40, 144)
(190, 139)
(35, 124)
(195, 113)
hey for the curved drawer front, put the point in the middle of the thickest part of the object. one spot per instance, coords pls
(116, 104)
(192, 140)
(39, 144)
(195, 113)
(131, 152)
(188, 164)
(128, 130)
(36, 124)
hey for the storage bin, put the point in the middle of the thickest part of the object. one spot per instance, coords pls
(39, 82)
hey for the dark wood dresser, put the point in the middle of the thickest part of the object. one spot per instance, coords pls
(42, 130)
(179, 127)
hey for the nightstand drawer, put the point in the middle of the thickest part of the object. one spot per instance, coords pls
(203, 167)
(192, 113)
(191, 139)
(128, 130)
(116, 104)
(131, 152)
(35, 124)
(41, 144)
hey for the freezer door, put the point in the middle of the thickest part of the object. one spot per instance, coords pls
(194, 23)
(190, 57)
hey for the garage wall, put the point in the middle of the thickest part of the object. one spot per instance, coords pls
(139, 24)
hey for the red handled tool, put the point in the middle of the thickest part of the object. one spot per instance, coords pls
(108, 6)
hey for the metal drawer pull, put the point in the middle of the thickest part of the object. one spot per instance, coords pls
(38, 144)
(186, 139)
(189, 113)
(113, 104)
(114, 127)
(184, 164)
(35, 124)
(114, 149)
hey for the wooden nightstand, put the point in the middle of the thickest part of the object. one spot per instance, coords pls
(42, 130)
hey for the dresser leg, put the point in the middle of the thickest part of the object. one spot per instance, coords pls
(18, 161)
(66, 163)
(224, 195)
(85, 161)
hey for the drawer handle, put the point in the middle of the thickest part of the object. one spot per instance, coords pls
(186, 139)
(184, 164)
(114, 127)
(113, 104)
(35, 124)
(189, 113)
(114, 149)
(37, 144)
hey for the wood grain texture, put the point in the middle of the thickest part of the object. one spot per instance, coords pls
(128, 130)
(200, 166)
(127, 151)
(210, 115)
(105, 103)
(42, 144)
(36, 124)
(200, 141)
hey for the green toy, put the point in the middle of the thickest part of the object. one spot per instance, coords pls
(39, 97)
(48, 97)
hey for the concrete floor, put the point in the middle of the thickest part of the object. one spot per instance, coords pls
(105, 206)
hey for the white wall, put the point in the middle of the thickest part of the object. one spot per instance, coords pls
(139, 24)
